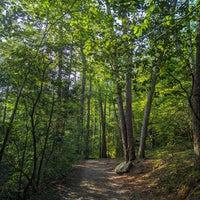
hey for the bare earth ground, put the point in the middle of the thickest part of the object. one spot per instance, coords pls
(95, 179)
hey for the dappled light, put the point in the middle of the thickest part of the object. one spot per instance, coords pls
(158, 178)
(99, 100)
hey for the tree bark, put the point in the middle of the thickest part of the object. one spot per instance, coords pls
(196, 99)
(87, 140)
(147, 112)
(126, 126)
(123, 127)
(129, 116)
(119, 149)
(34, 138)
(103, 153)
(34, 132)
(12, 117)
(45, 142)
(81, 137)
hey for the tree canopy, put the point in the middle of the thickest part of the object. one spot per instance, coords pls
(95, 78)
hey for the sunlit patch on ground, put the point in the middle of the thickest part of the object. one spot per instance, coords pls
(150, 179)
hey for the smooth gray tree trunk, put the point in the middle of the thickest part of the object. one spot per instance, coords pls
(147, 112)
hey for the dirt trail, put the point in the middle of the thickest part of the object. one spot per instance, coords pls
(95, 179)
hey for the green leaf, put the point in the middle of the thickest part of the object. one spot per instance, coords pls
(160, 47)
(46, 4)
(145, 23)
(136, 28)
(125, 37)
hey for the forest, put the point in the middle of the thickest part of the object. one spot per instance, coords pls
(84, 79)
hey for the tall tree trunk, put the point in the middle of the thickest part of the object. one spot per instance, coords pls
(103, 125)
(12, 117)
(34, 138)
(81, 137)
(126, 126)
(196, 99)
(23, 160)
(119, 149)
(129, 65)
(60, 64)
(87, 140)
(34, 133)
(94, 129)
(147, 112)
(123, 127)
(45, 142)
(59, 117)
(129, 115)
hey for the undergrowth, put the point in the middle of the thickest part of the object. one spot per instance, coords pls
(178, 178)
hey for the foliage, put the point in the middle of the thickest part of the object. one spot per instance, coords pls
(173, 164)
(57, 57)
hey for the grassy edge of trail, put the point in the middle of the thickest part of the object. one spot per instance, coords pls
(173, 167)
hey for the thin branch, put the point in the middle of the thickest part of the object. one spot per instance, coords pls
(189, 96)
(172, 26)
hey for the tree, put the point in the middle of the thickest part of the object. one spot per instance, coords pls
(102, 106)
(36, 72)
(196, 98)
(129, 115)
(88, 128)
(147, 110)
(122, 61)
(66, 65)
(12, 117)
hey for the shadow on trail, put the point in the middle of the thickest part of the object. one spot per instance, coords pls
(94, 180)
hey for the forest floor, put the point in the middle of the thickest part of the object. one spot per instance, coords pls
(150, 179)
